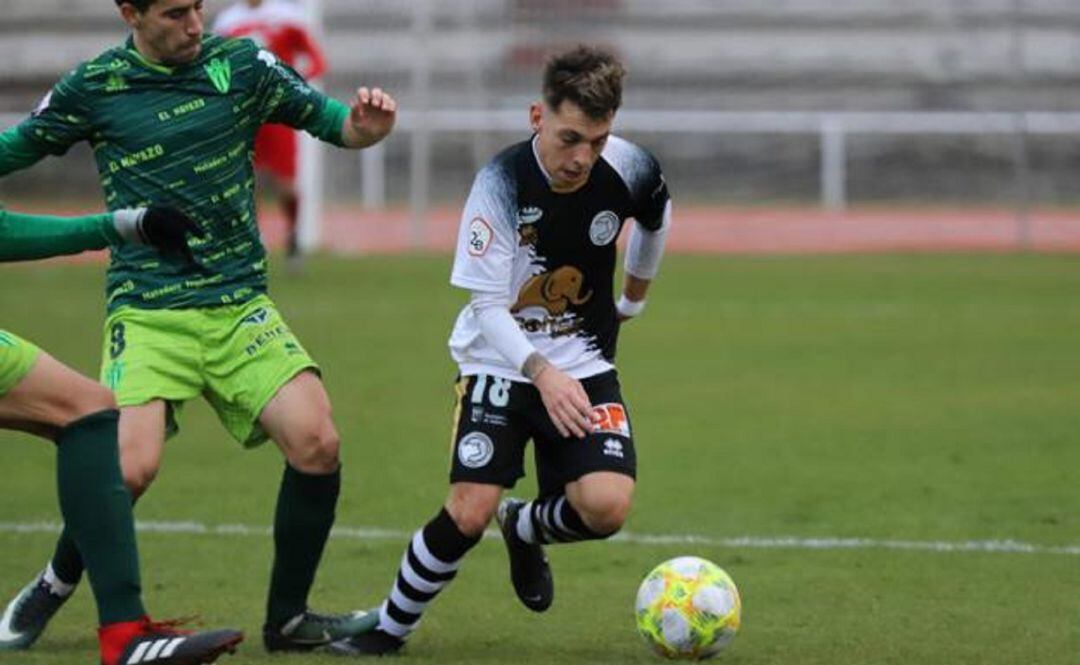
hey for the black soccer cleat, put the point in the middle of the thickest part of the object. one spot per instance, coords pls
(374, 643)
(27, 614)
(529, 569)
(145, 642)
(309, 630)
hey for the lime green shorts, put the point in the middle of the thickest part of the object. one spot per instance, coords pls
(17, 356)
(237, 356)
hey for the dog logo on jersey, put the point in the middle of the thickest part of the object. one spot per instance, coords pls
(475, 450)
(555, 291)
(480, 236)
(604, 228)
(220, 73)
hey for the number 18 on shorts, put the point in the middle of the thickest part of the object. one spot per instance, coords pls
(495, 418)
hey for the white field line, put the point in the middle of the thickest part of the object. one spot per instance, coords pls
(751, 542)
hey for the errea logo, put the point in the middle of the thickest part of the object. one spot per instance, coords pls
(613, 448)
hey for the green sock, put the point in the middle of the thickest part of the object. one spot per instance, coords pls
(97, 513)
(305, 513)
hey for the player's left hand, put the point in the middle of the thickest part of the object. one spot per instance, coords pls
(167, 229)
(164, 228)
(371, 117)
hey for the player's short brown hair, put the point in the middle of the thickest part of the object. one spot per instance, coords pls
(141, 5)
(588, 76)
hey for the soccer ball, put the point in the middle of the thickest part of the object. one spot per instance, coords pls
(688, 609)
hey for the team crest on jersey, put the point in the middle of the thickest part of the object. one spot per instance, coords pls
(480, 236)
(220, 72)
(555, 291)
(115, 83)
(475, 450)
(604, 228)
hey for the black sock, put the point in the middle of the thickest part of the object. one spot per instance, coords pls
(305, 513)
(97, 514)
(431, 561)
(67, 563)
(291, 204)
(553, 520)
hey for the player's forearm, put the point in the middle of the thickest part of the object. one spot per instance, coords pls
(646, 248)
(500, 329)
(16, 152)
(635, 288)
(643, 255)
(534, 365)
(28, 237)
(328, 124)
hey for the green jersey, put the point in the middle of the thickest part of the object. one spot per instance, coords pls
(180, 136)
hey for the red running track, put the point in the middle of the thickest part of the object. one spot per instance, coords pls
(756, 230)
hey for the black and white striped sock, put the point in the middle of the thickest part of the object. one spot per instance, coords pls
(430, 562)
(552, 520)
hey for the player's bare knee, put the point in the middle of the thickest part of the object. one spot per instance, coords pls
(472, 512)
(471, 520)
(98, 399)
(138, 478)
(318, 451)
(86, 399)
(606, 515)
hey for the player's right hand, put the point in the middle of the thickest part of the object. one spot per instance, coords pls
(566, 402)
(164, 228)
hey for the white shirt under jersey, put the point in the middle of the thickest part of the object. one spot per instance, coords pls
(268, 13)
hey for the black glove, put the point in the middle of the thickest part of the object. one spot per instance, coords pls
(164, 228)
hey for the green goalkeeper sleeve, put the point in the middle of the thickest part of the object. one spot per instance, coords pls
(28, 237)
(16, 152)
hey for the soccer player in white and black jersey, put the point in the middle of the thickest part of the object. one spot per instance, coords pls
(536, 343)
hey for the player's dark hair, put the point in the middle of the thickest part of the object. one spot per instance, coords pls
(589, 77)
(141, 5)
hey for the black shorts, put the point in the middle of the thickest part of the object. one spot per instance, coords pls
(495, 418)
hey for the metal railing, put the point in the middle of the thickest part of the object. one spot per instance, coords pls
(832, 128)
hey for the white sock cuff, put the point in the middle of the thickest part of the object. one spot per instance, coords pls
(524, 526)
(58, 586)
(389, 626)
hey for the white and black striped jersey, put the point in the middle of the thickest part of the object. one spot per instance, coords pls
(552, 255)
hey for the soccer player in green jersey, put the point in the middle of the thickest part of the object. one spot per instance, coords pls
(171, 116)
(42, 396)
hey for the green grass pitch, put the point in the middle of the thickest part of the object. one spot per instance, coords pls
(894, 399)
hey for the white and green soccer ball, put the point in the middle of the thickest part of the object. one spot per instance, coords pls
(688, 609)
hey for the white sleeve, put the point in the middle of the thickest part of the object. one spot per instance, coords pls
(499, 328)
(486, 242)
(646, 248)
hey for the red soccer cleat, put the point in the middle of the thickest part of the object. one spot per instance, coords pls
(146, 642)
